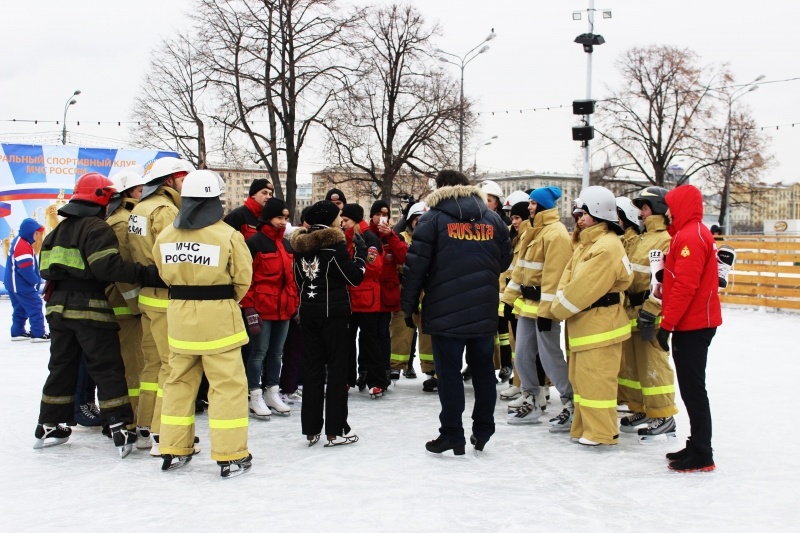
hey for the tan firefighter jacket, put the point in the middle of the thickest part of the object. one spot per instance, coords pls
(655, 237)
(505, 277)
(598, 267)
(629, 239)
(545, 250)
(196, 259)
(123, 297)
(147, 220)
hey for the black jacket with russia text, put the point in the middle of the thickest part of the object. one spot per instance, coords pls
(459, 249)
(323, 270)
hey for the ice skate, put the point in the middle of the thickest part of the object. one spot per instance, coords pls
(657, 431)
(155, 450)
(376, 392)
(504, 374)
(632, 423)
(430, 385)
(143, 437)
(588, 442)
(562, 422)
(440, 445)
(312, 439)
(693, 462)
(394, 375)
(21, 337)
(124, 439)
(341, 440)
(85, 416)
(258, 409)
(477, 444)
(361, 382)
(409, 373)
(50, 435)
(510, 393)
(235, 468)
(529, 413)
(274, 402)
(173, 462)
(43, 338)
(294, 399)
(522, 399)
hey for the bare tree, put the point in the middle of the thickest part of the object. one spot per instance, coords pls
(397, 112)
(275, 65)
(170, 106)
(661, 113)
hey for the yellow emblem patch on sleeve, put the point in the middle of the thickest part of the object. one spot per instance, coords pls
(685, 252)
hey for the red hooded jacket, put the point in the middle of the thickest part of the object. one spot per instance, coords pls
(366, 297)
(394, 256)
(273, 291)
(690, 292)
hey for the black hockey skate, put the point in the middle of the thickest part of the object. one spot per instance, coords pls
(235, 468)
(394, 375)
(50, 435)
(124, 439)
(430, 385)
(174, 462)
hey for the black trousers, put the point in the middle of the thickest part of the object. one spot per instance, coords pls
(368, 352)
(68, 338)
(690, 353)
(325, 347)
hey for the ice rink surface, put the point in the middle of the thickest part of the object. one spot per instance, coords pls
(526, 480)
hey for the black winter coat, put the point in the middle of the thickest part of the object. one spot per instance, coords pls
(456, 256)
(323, 270)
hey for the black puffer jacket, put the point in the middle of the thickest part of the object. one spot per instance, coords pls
(457, 254)
(323, 270)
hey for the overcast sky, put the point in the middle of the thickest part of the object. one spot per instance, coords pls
(101, 47)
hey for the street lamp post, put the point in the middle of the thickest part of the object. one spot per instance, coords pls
(750, 87)
(481, 144)
(463, 61)
(70, 101)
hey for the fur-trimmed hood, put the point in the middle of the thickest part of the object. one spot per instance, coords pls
(304, 241)
(463, 202)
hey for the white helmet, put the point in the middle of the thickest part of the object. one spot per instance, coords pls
(161, 170)
(202, 184)
(491, 187)
(129, 178)
(601, 204)
(628, 211)
(515, 198)
(417, 209)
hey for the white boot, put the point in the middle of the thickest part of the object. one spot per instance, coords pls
(258, 408)
(524, 398)
(510, 393)
(275, 403)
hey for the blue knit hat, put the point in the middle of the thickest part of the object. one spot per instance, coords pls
(546, 196)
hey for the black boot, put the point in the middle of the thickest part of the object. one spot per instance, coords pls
(479, 444)
(675, 456)
(440, 445)
(694, 461)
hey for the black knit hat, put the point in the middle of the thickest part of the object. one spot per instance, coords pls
(377, 206)
(354, 212)
(273, 208)
(257, 185)
(304, 212)
(520, 209)
(335, 195)
(323, 212)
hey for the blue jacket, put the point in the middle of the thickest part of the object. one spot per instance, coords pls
(22, 266)
(456, 256)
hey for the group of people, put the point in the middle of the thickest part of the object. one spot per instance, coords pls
(157, 291)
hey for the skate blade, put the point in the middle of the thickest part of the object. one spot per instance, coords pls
(689, 471)
(280, 413)
(376, 396)
(236, 473)
(651, 440)
(180, 463)
(259, 417)
(345, 442)
(125, 451)
(313, 441)
(48, 443)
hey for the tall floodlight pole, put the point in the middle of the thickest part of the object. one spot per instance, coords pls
(463, 61)
(588, 41)
(485, 142)
(738, 93)
(70, 101)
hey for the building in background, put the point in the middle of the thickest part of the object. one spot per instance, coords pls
(753, 204)
(237, 183)
(303, 199)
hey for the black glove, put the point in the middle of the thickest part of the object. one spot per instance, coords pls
(148, 276)
(663, 339)
(410, 322)
(544, 324)
(647, 325)
(360, 245)
(508, 312)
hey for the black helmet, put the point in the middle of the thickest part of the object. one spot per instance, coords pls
(654, 197)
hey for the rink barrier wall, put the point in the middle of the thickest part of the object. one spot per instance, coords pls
(766, 273)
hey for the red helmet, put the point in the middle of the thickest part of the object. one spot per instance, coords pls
(93, 187)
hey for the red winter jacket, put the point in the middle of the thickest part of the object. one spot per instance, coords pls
(366, 297)
(690, 292)
(394, 256)
(244, 218)
(273, 291)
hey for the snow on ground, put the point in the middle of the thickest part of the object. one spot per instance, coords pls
(527, 479)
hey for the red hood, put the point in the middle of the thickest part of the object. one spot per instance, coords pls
(685, 205)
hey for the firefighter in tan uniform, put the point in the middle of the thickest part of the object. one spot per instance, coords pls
(650, 385)
(156, 210)
(629, 220)
(208, 269)
(123, 297)
(590, 299)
